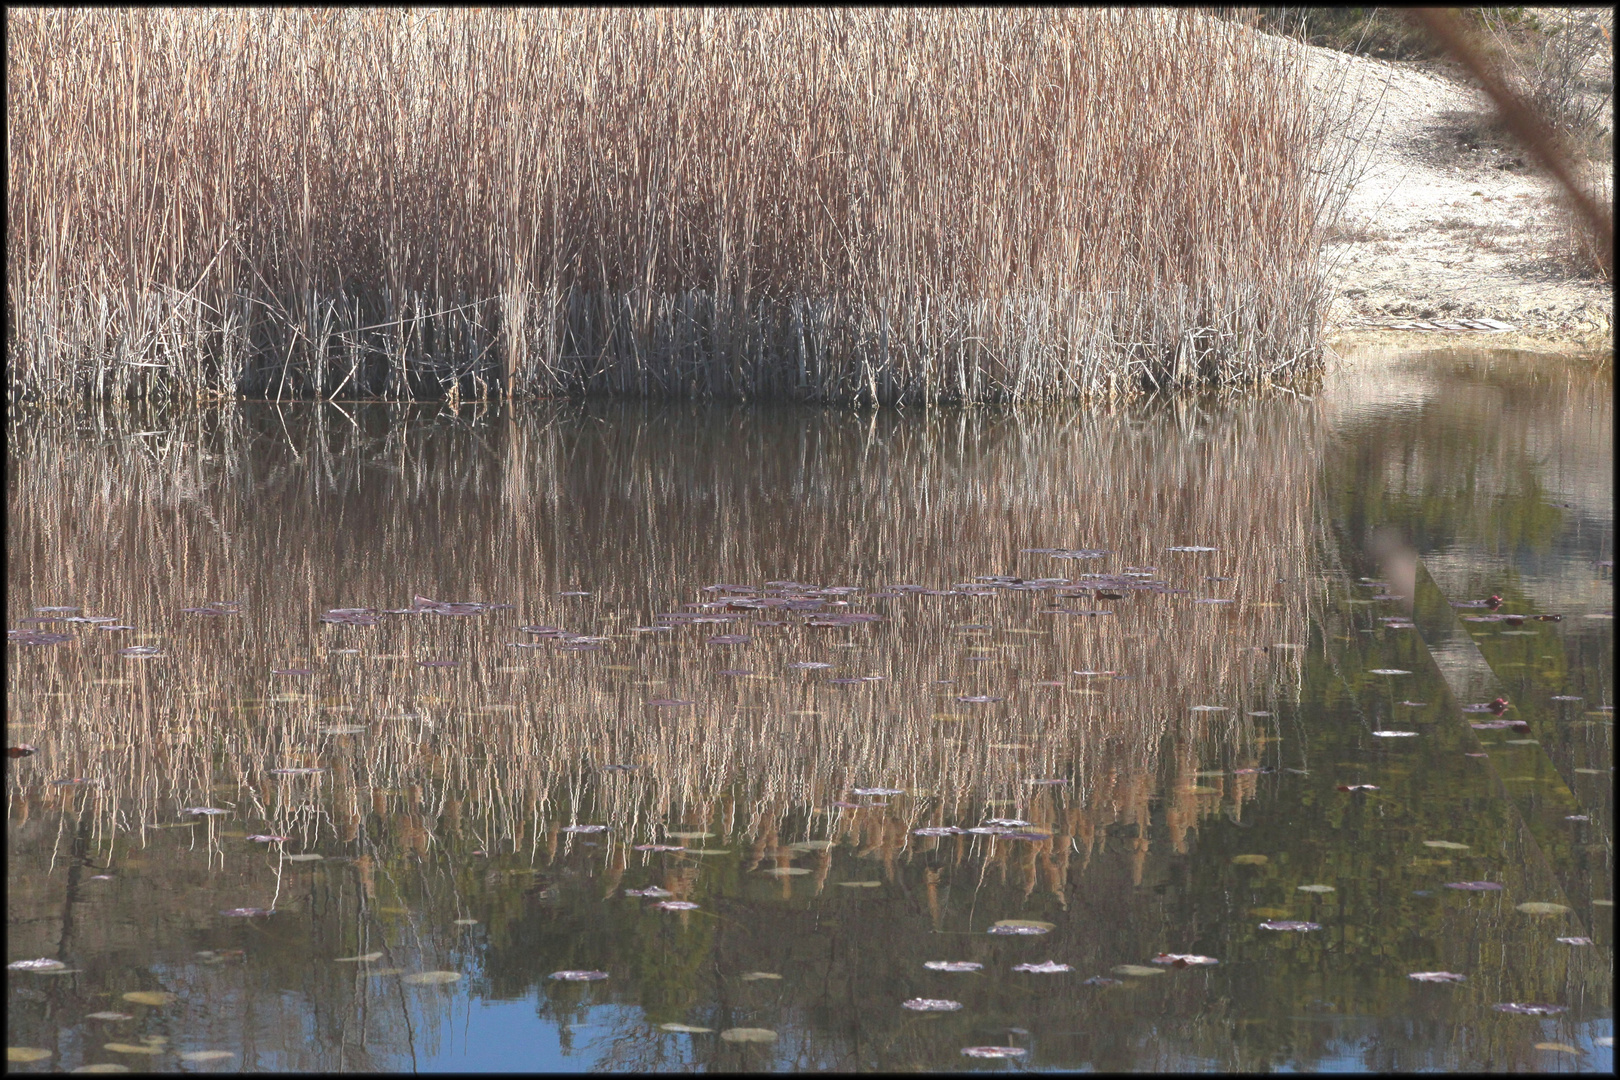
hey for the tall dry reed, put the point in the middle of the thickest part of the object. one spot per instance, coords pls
(841, 205)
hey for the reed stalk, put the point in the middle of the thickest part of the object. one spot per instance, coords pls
(836, 205)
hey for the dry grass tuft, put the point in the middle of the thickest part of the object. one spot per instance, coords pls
(847, 205)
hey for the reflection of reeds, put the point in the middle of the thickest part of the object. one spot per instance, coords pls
(508, 747)
(835, 205)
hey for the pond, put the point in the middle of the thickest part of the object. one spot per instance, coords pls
(1197, 734)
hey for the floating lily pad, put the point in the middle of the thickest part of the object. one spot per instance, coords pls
(994, 1051)
(108, 1015)
(42, 964)
(1573, 940)
(103, 1067)
(432, 978)
(1394, 734)
(1250, 860)
(1388, 671)
(464, 922)
(686, 1029)
(878, 791)
(748, 1035)
(363, 959)
(708, 851)
(783, 871)
(150, 997)
(1289, 925)
(1021, 926)
(1527, 1009)
(206, 1055)
(1558, 1047)
(579, 976)
(689, 835)
(1048, 967)
(26, 1053)
(859, 884)
(930, 1005)
(651, 890)
(131, 1048)
(1537, 908)
(1317, 888)
(756, 976)
(1184, 960)
(1445, 845)
(1436, 976)
(952, 965)
(1138, 971)
(306, 857)
(812, 845)
(1474, 886)
(676, 905)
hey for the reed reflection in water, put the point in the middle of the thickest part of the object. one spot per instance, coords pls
(291, 513)
(406, 777)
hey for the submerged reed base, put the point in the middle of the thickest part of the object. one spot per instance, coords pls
(840, 206)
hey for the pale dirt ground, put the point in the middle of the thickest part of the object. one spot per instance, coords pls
(1440, 226)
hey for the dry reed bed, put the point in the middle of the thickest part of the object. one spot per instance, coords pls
(510, 746)
(841, 205)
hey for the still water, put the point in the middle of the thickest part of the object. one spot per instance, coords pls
(624, 737)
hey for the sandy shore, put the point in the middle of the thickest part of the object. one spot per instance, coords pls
(1442, 223)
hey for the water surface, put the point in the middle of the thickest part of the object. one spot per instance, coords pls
(783, 641)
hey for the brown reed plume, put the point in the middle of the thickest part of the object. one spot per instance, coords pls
(849, 205)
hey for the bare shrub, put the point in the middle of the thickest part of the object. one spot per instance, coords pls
(827, 205)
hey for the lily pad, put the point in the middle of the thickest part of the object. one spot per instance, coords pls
(1317, 888)
(131, 1048)
(676, 905)
(994, 1051)
(748, 1035)
(363, 959)
(206, 1055)
(103, 1067)
(686, 1029)
(432, 978)
(756, 976)
(1289, 925)
(1049, 967)
(1021, 926)
(1528, 1009)
(1445, 845)
(579, 976)
(952, 965)
(1437, 976)
(151, 997)
(1250, 860)
(1140, 971)
(859, 884)
(1184, 960)
(26, 1053)
(930, 1005)
(42, 964)
(689, 835)
(1537, 908)
(1474, 886)
(1388, 671)
(108, 1015)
